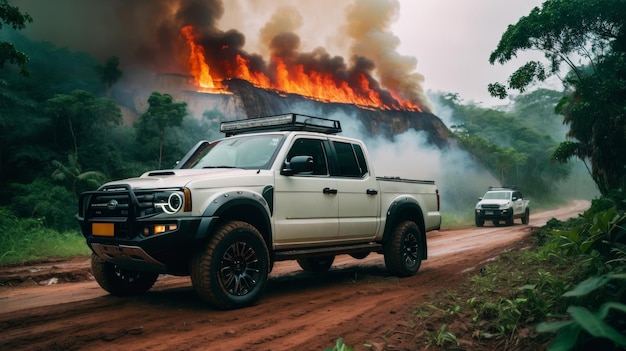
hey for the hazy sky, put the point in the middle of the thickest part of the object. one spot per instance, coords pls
(452, 41)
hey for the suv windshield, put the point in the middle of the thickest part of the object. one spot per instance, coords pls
(498, 195)
(246, 151)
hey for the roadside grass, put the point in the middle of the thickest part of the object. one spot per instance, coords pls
(497, 306)
(23, 240)
(562, 289)
(452, 220)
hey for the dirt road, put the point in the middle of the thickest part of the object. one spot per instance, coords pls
(58, 305)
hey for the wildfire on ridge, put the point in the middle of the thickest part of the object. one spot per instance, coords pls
(291, 78)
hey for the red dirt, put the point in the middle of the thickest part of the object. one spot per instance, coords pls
(56, 305)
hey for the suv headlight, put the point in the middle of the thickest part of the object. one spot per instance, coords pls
(505, 206)
(168, 202)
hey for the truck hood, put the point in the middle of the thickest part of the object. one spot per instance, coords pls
(173, 178)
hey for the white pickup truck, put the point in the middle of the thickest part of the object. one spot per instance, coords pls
(502, 204)
(276, 188)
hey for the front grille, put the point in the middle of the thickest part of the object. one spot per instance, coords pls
(118, 203)
(490, 207)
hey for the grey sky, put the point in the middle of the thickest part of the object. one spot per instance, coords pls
(452, 41)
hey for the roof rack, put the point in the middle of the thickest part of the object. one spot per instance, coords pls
(286, 122)
(504, 187)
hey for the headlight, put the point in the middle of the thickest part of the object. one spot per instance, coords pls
(168, 202)
(505, 206)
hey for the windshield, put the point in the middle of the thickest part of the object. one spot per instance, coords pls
(498, 195)
(247, 152)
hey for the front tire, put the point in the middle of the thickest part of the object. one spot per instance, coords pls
(403, 251)
(316, 264)
(509, 220)
(231, 272)
(119, 281)
(479, 220)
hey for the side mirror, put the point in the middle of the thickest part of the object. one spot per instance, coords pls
(298, 164)
(514, 198)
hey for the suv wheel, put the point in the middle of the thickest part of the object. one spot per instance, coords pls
(118, 281)
(526, 218)
(479, 220)
(231, 272)
(509, 220)
(403, 250)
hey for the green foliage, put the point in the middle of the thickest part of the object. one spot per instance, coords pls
(441, 337)
(339, 346)
(30, 239)
(597, 241)
(73, 175)
(590, 38)
(52, 204)
(568, 291)
(584, 324)
(109, 72)
(162, 114)
(516, 290)
(12, 16)
(597, 232)
(79, 116)
(512, 145)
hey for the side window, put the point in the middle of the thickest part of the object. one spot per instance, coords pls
(313, 148)
(348, 164)
(360, 156)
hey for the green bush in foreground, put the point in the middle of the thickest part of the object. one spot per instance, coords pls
(28, 239)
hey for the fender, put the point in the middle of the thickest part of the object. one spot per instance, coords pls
(220, 204)
(405, 208)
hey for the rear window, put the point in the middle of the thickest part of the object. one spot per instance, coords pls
(351, 159)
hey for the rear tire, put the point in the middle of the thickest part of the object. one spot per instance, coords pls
(526, 218)
(316, 264)
(403, 251)
(119, 281)
(231, 272)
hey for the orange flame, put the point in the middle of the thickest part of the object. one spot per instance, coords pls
(198, 66)
(291, 79)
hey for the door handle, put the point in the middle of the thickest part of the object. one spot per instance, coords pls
(371, 192)
(329, 191)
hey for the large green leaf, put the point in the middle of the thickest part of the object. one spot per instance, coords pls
(588, 285)
(595, 326)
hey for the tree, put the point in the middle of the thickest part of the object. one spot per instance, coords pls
(509, 144)
(109, 73)
(162, 113)
(11, 15)
(80, 116)
(73, 174)
(591, 32)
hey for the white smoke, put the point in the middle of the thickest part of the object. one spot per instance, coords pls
(409, 155)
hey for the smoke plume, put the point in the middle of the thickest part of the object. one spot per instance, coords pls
(146, 36)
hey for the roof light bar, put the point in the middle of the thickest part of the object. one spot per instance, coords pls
(287, 122)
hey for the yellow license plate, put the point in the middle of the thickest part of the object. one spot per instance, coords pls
(102, 229)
